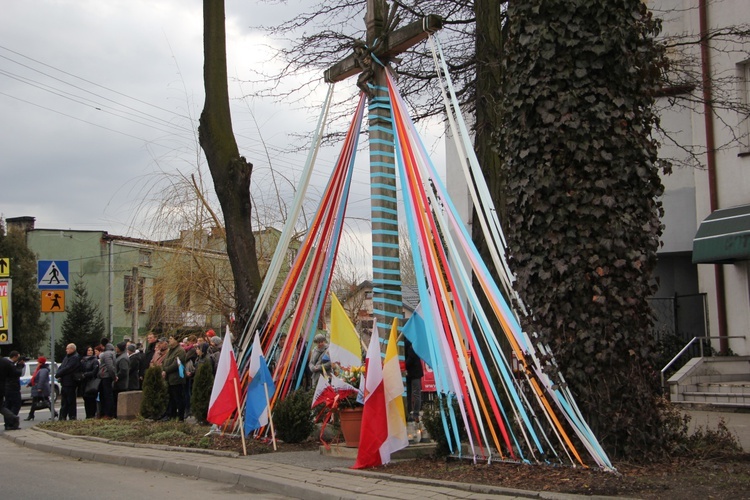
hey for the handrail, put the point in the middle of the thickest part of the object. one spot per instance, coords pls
(682, 351)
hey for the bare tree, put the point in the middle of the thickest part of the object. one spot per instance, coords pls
(231, 173)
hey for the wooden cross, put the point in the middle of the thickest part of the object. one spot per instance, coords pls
(388, 44)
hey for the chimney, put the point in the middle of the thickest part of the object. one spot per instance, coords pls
(20, 224)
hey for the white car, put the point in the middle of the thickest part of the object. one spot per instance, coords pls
(26, 382)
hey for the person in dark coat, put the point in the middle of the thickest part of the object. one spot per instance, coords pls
(148, 354)
(68, 374)
(122, 369)
(7, 370)
(90, 367)
(171, 373)
(414, 374)
(134, 376)
(13, 383)
(107, 373)
(40, 390)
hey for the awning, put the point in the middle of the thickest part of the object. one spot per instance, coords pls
(723, 237)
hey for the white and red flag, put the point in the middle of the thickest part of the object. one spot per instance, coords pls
(223, 397)
(374, 416)
(324, 393)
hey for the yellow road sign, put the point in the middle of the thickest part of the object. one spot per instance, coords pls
(4, 267)
(53, 301)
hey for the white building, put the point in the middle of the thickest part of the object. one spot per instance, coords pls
(697, 254)
(706, 241)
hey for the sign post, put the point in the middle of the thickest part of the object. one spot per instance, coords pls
(6, 312)
(52, 279)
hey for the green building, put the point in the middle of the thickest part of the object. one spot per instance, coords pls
(141, 285)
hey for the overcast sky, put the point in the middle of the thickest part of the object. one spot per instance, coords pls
(100, 99)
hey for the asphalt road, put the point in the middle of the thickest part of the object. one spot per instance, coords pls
(26, 474)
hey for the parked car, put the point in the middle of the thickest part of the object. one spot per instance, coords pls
(26, 382)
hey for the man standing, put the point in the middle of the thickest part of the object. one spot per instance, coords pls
(8, 373)
(414, 374)
(173, 370)
(148, 355)
(107, 373)
(122, 370)
(134, 377)
(13, 384)
(69, 376)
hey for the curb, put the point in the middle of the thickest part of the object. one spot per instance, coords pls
(163, 447)
(236, 473)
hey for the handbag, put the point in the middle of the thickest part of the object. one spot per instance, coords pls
(78, 376)
(92, 387)
(180, 368)
(40, 404)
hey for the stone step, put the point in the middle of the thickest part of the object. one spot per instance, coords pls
(715, 398)
(737, 387)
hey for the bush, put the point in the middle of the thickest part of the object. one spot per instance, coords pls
(202, 386)
(433, 423)
(293, 418)
(155, 395)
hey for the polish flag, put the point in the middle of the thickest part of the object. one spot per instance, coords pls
(223, 397)
(324, 393)
(374, 415)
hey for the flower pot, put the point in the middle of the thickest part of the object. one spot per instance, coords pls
(351, 423)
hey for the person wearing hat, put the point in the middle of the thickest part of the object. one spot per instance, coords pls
(319, 359)
(40, 388)
(68, 376)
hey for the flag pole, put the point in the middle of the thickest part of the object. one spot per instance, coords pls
(270, 420)
(239, 413)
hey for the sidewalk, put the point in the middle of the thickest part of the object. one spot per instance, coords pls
(307, 474)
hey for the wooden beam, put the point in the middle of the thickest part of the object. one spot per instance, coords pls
(398, 42)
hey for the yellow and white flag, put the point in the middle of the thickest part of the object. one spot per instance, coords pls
(393, 386)
(344, 348)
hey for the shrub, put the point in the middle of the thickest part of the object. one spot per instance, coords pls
(293, 418)
(202, 386)
(155, 395)
(434, 424)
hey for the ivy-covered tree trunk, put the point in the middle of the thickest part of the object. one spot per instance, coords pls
(582, 210)
(230, 172)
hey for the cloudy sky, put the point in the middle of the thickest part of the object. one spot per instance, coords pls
(100, 103)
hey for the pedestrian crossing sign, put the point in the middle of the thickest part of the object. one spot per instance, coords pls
(52, 274)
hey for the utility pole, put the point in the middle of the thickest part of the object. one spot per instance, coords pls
(385, 44)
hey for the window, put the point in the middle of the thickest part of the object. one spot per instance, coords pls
(144, 258)
(743, 77)
(130, 293)
(183, 297)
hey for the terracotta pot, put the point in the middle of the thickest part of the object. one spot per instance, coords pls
(351, 422)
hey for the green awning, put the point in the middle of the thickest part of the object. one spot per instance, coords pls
(723, 237)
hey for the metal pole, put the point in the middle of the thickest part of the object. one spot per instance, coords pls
(52, 369)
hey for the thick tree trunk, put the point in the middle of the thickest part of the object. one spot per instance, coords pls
(230, 172)
(489, 52)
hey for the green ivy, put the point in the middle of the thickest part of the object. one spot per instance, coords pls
(582, 209)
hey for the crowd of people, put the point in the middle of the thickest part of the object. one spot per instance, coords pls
(102, 372)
